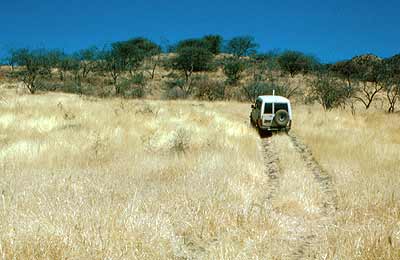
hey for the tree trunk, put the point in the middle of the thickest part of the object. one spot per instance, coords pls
(392, 94)
(153, 71)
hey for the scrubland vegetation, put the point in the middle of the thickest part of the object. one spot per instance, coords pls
(206, 68)
(138, 151)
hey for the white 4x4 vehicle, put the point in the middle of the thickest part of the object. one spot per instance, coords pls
(271, 113)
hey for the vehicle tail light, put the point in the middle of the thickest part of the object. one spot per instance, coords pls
(259, 122)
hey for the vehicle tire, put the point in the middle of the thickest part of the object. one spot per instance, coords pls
(261, 132)
(281, 118)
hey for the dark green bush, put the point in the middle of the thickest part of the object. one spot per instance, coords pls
(295, 62)
(192, 59)
(241, 46)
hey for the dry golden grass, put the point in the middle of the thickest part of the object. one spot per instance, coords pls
(87, 178)
(84, 178)
(362, 154)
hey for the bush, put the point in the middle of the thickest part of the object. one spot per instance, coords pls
(257, 88)
(173, 89)
(263, 65)
(72, 87)
(133, 87)
(233, 68)
(207, 89)
(212, 43)
(66, 86)
(190, 43)
(181, 141)
(44, 85)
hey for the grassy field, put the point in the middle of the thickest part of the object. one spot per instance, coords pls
(362, 154)
(86, 178)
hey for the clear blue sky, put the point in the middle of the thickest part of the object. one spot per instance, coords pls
(331, 30)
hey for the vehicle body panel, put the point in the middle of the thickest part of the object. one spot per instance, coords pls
(263, 112)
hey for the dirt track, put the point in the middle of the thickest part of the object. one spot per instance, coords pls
(301, 196)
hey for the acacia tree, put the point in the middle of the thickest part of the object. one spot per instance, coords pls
(11, 58)
(191, 59)
(34, 63)
(191, 43)
(113, 64)
(68, 63)
(392, 81)
(152, 52)
(242, 46)
(345, 70)
(328, 91)
(295, 62)
(88, 59)
(133, 52)
(369, 71)
(213, 43)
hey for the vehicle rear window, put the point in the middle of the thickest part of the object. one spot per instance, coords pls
(279, 106)
(268, 108)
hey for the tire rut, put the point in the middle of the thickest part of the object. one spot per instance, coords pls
(323, 178)
(271, 162)
(272, 170)
(309, 240)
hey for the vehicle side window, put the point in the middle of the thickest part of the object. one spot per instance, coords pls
(281, 106)
(268, 108)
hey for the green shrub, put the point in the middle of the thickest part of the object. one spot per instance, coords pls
(233, 69)
(133, 87)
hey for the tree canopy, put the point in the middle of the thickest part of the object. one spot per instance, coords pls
(295, 62)
(242, 46)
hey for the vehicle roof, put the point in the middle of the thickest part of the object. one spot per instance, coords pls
(274, 99)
